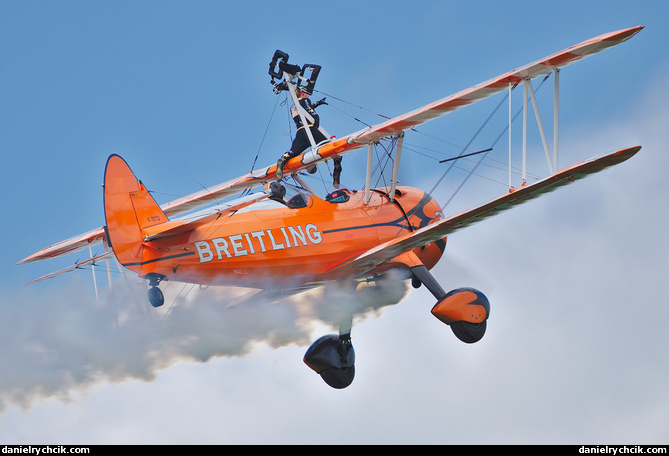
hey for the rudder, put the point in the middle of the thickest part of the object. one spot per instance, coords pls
(129, 208)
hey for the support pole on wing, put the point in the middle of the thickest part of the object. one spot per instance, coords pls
(109, 274)
(304, 184)
(556, 117)
(552, 161)
(525, 82)
(530, 94)
(396, 165)
(368, 178)
(95, 282)
(300, 111)
(510, 122)
(541, 128)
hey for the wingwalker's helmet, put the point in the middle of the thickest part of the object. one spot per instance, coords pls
(277, 190)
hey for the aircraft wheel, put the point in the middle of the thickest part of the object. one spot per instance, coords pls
(469, 332)
(338, 377)
(333, 358)
(156, 297)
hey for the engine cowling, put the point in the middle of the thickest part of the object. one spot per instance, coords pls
(431, 253)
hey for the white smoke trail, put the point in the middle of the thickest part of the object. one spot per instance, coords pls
(67, 344)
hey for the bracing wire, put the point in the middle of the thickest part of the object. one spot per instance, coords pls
(483, 156)
(388, 157)
(355, 106)
(177, 298)
(262, 141)
(386, 160)
(450, 167)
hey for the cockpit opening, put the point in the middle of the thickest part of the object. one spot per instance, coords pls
(340, 195)
(300, 198)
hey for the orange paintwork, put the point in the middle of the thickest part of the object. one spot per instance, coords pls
(271, 244)
(459, 307)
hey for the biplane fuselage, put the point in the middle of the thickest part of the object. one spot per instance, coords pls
(273, 245)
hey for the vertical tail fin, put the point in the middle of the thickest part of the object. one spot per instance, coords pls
(129, 209)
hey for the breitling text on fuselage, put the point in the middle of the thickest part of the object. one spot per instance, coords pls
(244, 244)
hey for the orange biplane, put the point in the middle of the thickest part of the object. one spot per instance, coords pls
(306, 241)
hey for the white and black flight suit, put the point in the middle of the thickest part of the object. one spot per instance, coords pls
(301, 141)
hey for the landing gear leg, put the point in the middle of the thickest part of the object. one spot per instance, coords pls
(420, 275)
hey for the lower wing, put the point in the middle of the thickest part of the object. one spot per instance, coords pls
(368, 261)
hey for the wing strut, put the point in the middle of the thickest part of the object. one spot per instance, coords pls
(552, 160)
(368, 178)
(95, 282)
(540, 125)
(556, 117)
(396, 166)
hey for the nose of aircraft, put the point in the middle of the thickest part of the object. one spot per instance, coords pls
(421, 210)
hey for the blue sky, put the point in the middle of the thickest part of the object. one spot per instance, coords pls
(575, 350)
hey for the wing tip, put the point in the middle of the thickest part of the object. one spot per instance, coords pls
(626, 154)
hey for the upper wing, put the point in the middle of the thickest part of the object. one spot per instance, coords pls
(364, 263)
(404, 122)
(205, 216)
(493, 86)
(358, 139)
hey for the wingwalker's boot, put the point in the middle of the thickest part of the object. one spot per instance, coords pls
(337, 171)
(280, 164)
(279, 169)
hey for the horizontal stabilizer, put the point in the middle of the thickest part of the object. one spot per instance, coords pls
(205, 216)
(67, 246)
(90, 262)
